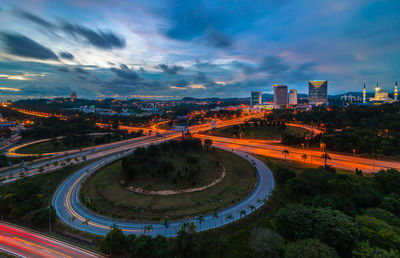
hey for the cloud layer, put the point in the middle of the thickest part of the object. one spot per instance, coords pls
(204, 48)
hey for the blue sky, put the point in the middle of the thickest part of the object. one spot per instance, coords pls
(172, 49)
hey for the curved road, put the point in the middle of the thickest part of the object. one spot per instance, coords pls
(66, 202)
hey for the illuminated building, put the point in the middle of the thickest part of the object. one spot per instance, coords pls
(364, 94)
(396, 92)
(280, 95)
(381, 96)
(256, 98)
(318, 92)
(293, 97)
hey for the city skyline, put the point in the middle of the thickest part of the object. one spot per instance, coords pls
(203, 49)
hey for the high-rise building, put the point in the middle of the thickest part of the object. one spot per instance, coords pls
(364, 94)
(293, 97)
(318, 92)
(396, 92)
(256, 98)
(280, 95)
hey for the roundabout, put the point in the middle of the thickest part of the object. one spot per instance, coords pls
(221, 179)
(71, 211)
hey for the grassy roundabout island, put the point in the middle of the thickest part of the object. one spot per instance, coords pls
(177, 180)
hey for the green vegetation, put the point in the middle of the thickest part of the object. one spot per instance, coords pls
(169, 166)
(27, 200)
(261, 129)
(369, 130)
(76, 141)
(53, 127)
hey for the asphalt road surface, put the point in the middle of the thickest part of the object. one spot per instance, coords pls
(25, 243)
(67, 204)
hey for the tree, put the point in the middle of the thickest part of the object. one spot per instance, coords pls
(229, 217)
(309, 248)
(208, 144)
(251, 207)
(242, 213)
(283, 174)
(114, 242)
(147, 228)
(266, 243)
(215, 216)
(299, 222)
(86, 222)
(378, 232)
(200, 219)
(187, 242)
(304, 157)
(325, 157)
(166, 225)
(364, 250)
(223, 243)
(285, 152)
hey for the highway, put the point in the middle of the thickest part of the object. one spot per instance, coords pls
(26, 243)
(264, 148)
(67, 204)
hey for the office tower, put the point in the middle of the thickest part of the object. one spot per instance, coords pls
(396, 92)
(318, 92)
(256, 98)
(280, 95)
(293, 97)
(364, 95)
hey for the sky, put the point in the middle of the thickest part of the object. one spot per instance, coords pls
(172, 49)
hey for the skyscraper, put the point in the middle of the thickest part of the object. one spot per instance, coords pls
(293, 97)
(364, 95)
(318, 92)
(396, 92)
(256, 98)
(280, 95)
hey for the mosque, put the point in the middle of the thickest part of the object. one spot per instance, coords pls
(381, 95)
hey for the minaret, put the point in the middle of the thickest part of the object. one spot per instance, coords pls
(396, 93)
(364, 94)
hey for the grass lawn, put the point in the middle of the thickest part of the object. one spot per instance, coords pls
(263, 133)
(110, 197)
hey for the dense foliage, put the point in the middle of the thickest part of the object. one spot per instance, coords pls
(27, 200)
(350, 213)
(146, 162)
(372, 130)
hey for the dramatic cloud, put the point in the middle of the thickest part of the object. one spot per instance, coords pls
(125, 73)
(174, 69)
(20, 45)
(100, 39)
(36, 19)
(81, 70)
(66, 55)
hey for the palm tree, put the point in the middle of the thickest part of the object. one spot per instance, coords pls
(242, 213)
(147, 228)
(285, 152)
(207, 143)
(200, 219)
(251, 207)
(229, 217)
(304, 157)
(166, 225)
(325, 157)
(86, 222)
(215, 216)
